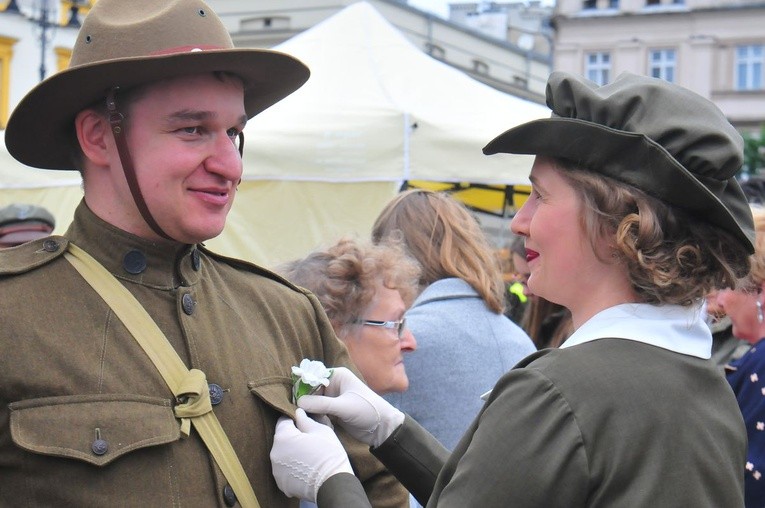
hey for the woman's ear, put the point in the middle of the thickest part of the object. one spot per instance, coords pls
(94, 136)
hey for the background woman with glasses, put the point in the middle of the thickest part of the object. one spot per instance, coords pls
(457, 318)
(365, 290)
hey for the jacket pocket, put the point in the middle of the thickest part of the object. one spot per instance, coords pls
(275, 391)
(96, 429)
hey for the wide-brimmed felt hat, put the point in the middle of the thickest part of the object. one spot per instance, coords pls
(125, 43)
(665, 140)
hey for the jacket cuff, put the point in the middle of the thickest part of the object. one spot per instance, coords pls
(340, 491)
(414, 456)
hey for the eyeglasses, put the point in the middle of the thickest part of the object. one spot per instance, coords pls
(399, 326)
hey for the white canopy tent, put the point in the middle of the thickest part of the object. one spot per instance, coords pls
(323, 162)
(376, 108)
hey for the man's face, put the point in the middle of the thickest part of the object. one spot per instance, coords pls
(181, 135)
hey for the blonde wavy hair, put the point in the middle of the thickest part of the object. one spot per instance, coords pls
(344, 277)
(670, 256)
(445, 239)
(757, 273)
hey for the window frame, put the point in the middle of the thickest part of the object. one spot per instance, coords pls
(663, 64)
(602, 67)
(753, 77)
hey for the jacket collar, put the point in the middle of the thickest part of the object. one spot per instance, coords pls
(163, 265)
(446, 289)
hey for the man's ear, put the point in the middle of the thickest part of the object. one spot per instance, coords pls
(94, 136)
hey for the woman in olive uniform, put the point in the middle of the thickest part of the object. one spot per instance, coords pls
(635, 216)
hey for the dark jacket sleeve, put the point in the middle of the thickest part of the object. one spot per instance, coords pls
(411, 453)
(382, 488)
(342, 490)
(414, 456)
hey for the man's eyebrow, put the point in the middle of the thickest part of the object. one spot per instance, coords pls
(190, 114)
(197, 116)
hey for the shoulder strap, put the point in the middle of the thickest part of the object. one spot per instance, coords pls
(189, 386)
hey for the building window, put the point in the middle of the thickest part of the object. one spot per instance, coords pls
(435, 51)
(664, 3)
(598, 67)
(749, 67)
(72, 12)
(613, 4)
(589, 4)
(6, 54)
(265, 23)
(662, 63)
(480, 67)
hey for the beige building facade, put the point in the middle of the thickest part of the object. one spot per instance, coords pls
(36, 39)
(716, 48)
(495, 61)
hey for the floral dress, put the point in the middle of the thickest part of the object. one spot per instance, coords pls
(747, 377)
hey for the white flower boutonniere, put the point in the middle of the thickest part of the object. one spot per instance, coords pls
(308, 378)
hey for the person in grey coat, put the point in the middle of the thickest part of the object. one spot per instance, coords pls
(458, 317)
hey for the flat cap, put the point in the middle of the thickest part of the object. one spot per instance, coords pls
(665, 140)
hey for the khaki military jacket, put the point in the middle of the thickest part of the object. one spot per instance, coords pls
(85, 417)
(609, 423)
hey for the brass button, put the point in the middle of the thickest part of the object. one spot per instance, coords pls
(187, 302)
(99, 447)
(196, 260)
(50, 245)
(134, 262)
(229, 497)
(216, 394)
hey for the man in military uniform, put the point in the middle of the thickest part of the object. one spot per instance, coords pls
(21, 223)
(150, 112)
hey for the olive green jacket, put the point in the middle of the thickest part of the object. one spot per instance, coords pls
(608, 423)
(85, 417)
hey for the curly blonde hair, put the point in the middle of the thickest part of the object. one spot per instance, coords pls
(757, 273)
(670, 256)
(344, 277)
(445, 239)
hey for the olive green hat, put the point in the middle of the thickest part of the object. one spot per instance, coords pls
(663, 139)
(124, 43)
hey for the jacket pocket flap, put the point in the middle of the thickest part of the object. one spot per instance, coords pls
(93, 428)
(276, 391)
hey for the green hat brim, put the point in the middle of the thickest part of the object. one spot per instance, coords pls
(636, 160)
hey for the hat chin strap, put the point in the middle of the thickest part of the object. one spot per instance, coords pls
(115, 119)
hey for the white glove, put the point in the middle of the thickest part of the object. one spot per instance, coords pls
(304, 457)
(364, 414)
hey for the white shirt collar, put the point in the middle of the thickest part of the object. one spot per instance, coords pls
(673, 327)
